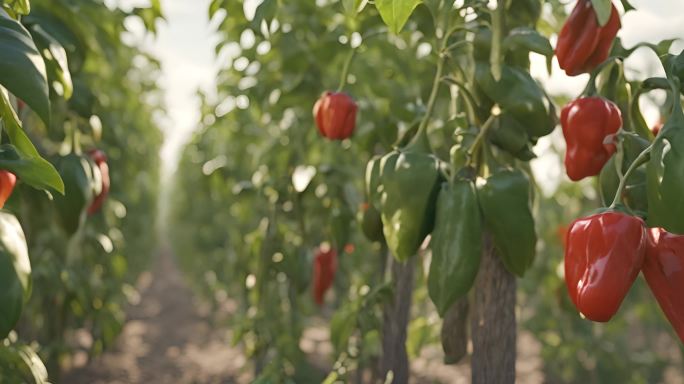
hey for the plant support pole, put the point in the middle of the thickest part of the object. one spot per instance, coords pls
(493, 324)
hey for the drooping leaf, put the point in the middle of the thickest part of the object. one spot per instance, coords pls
(15, 272)
(22, 70)
(528, 39)
(21, 157)
(395, 13)
(55, 61)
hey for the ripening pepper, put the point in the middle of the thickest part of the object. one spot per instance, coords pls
(664, 272)
(505, 201)
(603, 255)
(335, 115)
(634, 194)
(410, 179)
(582, 43)
(324, 268)
(456, 244)
(15, 272)
(664, 170)
(586, 122)
(7, 182)
(100, 160)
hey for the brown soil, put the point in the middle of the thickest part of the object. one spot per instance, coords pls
(169, 339)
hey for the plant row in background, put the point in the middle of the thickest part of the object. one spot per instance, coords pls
(432, 118)
(76, 107)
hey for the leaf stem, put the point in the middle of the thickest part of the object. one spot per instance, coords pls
(640, 160)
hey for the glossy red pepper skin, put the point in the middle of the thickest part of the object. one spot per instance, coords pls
(603, 256)
(664, 272)
(100, 160)
(7, 182)
(324, 268)
(335, 115)
(582, 43)
(586, 122)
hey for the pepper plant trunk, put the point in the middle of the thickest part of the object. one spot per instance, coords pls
(395, 321)
(493, 324)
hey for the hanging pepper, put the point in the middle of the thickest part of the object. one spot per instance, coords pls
(456, 244)
(582, 43)
(7, 182)
(586, 122)
(665, 184)
(372, 181)
(603, 255)
(634, 194)
(519, 95)
(335, 115)
(664, 272)
(100, 160)
(409, 179)
(371, 223)
(324, 268)
(508, 134)
(505, 201)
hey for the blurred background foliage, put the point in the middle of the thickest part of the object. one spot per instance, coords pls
(82, 282)
(258, 190)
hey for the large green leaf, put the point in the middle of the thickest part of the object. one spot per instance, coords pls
(22, 70)
(15, 272)
(21, 157)
(529, 40)
(55, 61)
(395, 13)
(21, 7)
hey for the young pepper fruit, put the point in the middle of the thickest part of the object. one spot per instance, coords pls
(7, 182)
(664, 273)
(335, 115)
(582, 43)
(324, 268)
(100, 160)
(603, 256)
(586, 122)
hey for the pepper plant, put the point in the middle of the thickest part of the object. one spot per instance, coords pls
(433, 167)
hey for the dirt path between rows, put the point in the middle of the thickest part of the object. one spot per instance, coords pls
(167, 339)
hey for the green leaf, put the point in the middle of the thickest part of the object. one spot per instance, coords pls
(395, 13)
(55, 57)
(22, 70)
(21, 7)
(627, 6)
(602, 9)
(21, 157)
(15, 272)
(529, 40)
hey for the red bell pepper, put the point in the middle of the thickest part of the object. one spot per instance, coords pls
(586, 122)
(582, 43)
(664, 272)
(335, 115)
(603, 256)
(100, 160)
(324, 268)
(7, 182)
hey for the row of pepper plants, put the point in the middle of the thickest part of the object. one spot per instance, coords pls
(408, 191)
(77, 109)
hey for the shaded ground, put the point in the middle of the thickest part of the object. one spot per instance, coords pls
(167, 339)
